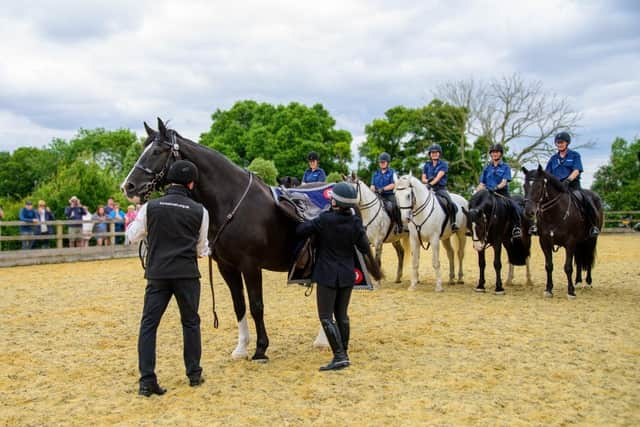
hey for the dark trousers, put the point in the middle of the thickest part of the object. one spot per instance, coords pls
(333, 302)
(157, 295)
(452, 207)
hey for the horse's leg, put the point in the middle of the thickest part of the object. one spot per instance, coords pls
(397, 245)
(321, 340)
(588, 278)
(509, 280)
(415, 258)
(578, 275)
(253, 281)
(529, 281)
(482, 262)
(497, 266)
(233, 278)
(462, 241)
(452, 267)
(547, 249)
(435, 261)
(375, 283)
(568, 270)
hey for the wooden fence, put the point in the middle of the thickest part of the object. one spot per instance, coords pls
(60, 251)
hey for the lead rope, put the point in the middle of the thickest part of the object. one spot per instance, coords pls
(228, 219)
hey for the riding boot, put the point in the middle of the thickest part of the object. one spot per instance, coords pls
(340, 359)
(594, 231)
(399, 224)
(452, 218)
(345, 331)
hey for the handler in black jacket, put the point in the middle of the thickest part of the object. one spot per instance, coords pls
(176, 228)
(336, 231)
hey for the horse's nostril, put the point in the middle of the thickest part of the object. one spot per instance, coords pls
(129, 186)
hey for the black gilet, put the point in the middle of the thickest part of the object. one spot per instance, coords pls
(173, 227)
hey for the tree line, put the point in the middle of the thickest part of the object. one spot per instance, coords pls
(464, 117)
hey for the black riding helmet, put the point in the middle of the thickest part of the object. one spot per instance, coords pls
(384, 157)
(312, 156)
(563, 136)
(182, 172)
(435, 147)
(496, 147)
(344, 195)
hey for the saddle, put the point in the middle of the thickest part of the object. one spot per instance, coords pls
(450, 209)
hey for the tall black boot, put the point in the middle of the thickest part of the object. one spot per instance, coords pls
(340, 359)
(452, 218)
(592, 217)
(345, 332)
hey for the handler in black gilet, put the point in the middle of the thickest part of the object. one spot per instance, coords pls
(176, 229)
(337, 232)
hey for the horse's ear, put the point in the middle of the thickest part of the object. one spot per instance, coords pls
(161, 127)
(353, 175)
(150, 132)
(524, 170)
(539, 167)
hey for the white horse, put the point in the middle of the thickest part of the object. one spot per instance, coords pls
(426, 218)
(380, 229)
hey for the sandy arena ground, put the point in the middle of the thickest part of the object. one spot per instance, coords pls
(69, 334)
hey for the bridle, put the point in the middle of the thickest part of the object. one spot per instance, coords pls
(158, 177)
(417, 211)
(541, 206)
(487, 223)
(368, 205)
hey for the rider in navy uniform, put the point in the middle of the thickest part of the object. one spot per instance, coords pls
(314, 173)
(434, 174)
(496, 177)
(383, 182)
(566, 165)
(336, 231)
(176, 229)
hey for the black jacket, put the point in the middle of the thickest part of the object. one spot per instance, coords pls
(173, 226)
(337, 232)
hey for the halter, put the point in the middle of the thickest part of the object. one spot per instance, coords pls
(418, 211)
(486, 244)
(173, 155)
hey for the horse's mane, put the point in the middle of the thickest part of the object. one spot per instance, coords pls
(555, 182)
(479, 198)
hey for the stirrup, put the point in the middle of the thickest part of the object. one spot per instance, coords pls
(594, 232)
(454, 227)
(533, 230)
(516, 233)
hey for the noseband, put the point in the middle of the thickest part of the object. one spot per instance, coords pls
(173, 155)
(418, 211)
(368, 205)
(487, 222)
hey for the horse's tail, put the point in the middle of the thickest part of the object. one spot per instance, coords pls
(585, 254)
(518, 252)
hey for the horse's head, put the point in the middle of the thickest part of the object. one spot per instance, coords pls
(161, 149)
(405, 197)
(479, 217)
(289, 181)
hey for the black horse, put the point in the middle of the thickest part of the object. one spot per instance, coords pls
(492, 222)
(561, 222)
(247, 230)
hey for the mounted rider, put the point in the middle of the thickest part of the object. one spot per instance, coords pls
(496, 177)
(566, 165)
(315, 173)
(383, 183)
(434, 175)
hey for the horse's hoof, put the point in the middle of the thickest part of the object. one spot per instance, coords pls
(440, 289)
(460, 282)
(411, 288)
(548, 294)
(480, 290)
(508, 283)
(529, 283)
(499, 292)
(587, 286)
(260, 359)
(239, 355)
(569, 296)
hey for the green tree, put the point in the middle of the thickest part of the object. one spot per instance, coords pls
(24, 169)
(265, 169)
(618, 182)
(334, 177)
(282, 133)
(406, 133)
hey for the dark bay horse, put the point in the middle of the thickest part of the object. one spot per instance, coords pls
(492, 223)
(247, 230)
(561, 222)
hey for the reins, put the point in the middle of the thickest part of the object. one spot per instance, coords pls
(541, 207)
(418, 211)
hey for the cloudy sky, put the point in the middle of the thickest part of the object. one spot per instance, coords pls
(85, 64)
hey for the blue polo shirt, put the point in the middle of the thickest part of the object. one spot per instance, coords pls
(561, 168)
(493, 175)
(431, 171)
(317, 175)
(382, 179)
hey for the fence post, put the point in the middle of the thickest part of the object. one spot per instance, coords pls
(59, 242)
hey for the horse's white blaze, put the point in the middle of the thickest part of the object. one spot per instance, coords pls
(122, 186)
(240, 351)
(478, 245)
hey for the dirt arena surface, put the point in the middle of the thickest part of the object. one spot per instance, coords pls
(69, 335)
